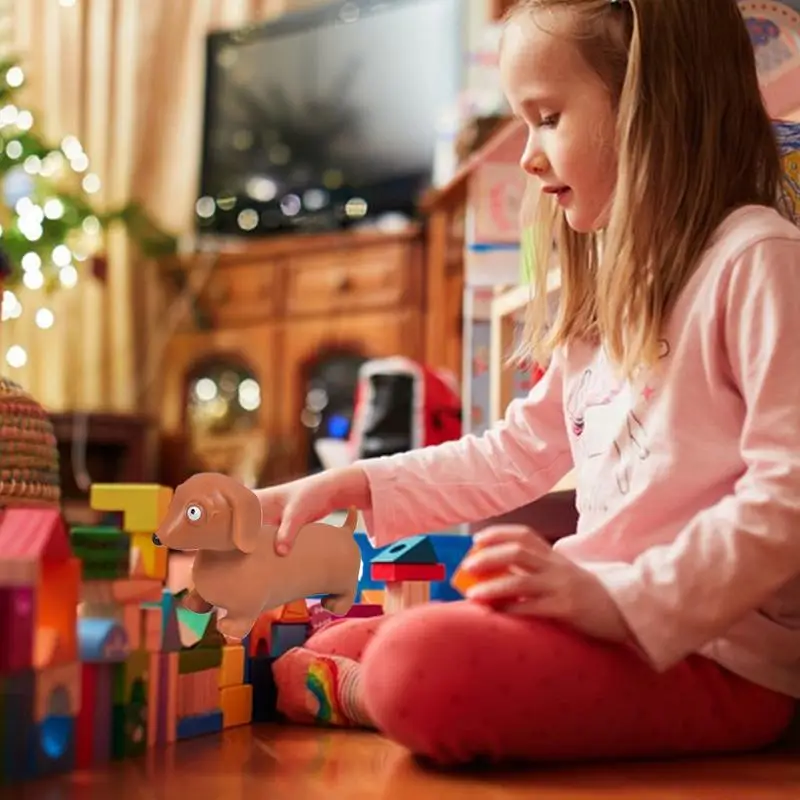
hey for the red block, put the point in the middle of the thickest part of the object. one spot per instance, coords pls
(398, 573)
(17, 624)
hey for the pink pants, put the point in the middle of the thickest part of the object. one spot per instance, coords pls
(457, 682)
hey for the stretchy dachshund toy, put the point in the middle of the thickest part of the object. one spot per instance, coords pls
(236, 568)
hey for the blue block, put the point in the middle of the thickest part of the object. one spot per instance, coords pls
(286, 635)
(199, 725)
(52, 747)
(247, 673)
(413, 550)
(102, 641)
(17, 727)
(265, 693)
(450, 550)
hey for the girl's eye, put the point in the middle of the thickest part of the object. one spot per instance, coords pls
(549, 121)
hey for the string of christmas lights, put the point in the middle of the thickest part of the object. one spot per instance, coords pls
(50, 231)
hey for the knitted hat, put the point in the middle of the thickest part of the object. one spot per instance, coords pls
(29, 473)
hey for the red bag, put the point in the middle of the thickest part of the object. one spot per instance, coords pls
(403, 405)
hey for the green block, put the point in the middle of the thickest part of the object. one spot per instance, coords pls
(100, 536)
(104, 572)
(127, 674)
(118, 732)
(199, 659)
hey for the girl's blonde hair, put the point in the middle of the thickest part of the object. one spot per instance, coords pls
(694, 142)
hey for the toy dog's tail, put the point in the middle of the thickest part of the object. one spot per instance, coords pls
(351, 521)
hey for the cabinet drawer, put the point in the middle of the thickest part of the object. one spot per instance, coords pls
(239, 294)
(329, 283)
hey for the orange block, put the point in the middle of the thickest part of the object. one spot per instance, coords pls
(296, 611)
(236, 703)
(463, 580)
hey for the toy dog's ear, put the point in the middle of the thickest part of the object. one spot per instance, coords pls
(245, 518)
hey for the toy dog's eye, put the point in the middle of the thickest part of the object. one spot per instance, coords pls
(193, 513)
(156, 541)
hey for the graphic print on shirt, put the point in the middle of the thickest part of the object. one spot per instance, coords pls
(605, 416)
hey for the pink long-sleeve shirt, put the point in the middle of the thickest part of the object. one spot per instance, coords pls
(688, 479)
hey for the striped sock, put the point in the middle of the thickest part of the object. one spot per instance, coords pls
(317, 689)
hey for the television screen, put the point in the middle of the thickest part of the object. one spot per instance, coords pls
(326, 118)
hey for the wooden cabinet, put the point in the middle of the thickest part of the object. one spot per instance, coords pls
(269, 311)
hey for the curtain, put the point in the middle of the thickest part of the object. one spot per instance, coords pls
(126, 77)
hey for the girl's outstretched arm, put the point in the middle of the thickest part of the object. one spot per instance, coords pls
(733, 557)
(475, 477)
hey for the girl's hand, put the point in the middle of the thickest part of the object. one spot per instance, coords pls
(534, 580)
(290, 506)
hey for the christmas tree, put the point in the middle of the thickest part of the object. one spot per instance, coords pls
(50, 231)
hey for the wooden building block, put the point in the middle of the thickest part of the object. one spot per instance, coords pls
(168, 698)
(284, 636)
(153, 698)
(94, 723)
(132, 622)
(17, 626)
(295, 611)
(102, 641)
(373, 596)
(400, 596)
(58, 593)
(58, 692)
(137, 590)
(199, 659)
(412, 550)
(199, 725)
(103, 550)
(134, 670)
(17, 725)
(198, 693)
(146, 559)
(236, 703)
(52, 748)
(231, 671)
(407, 572)
(143, 505)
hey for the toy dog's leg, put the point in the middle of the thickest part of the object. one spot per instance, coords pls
(339, 604)
(194, 602)
(233, 626)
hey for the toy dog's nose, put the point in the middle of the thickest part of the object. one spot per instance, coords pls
(156, 541)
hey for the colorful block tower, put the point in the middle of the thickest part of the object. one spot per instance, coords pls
(407, 567)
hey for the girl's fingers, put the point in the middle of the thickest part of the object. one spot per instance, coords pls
(512, 586)
(496, 558)
(547, 606)
(500, 534)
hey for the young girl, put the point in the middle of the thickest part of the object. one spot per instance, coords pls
(669, 623)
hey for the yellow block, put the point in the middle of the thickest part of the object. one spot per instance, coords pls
(143, 505)
(147, 560)
(375, 597)
(231, 671)
(236, 703)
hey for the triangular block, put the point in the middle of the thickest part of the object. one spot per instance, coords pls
(170, 630)
(212, 637)
(413, 550)
(294, 611)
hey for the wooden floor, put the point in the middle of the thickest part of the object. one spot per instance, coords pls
(284, 763)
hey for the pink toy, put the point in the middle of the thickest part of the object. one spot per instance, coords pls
(236, 567)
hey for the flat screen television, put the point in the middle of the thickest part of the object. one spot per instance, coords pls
(326, 118)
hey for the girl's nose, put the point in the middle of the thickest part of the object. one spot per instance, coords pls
(535, 163)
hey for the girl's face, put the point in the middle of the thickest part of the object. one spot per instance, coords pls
(569, 114)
